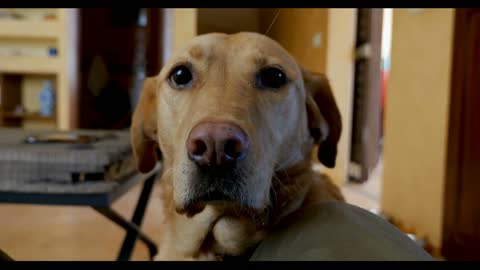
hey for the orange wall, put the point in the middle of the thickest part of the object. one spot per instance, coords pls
(184, 26)
(416, 126)
(294, 29)
(228, 20)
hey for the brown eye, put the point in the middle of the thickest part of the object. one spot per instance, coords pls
(271, 77)
(181, 76)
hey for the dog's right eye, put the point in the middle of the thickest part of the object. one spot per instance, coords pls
(181, 76)
(271, 77)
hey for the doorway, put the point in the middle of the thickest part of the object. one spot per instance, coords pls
(372, 67)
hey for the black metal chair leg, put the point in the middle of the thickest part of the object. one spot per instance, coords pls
(129, 226)
(133, 227)
(138, 214)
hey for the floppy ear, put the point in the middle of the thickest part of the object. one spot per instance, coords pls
(144, 128)
(324, 120)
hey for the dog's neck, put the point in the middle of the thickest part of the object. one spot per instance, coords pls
(297, 169)
(289, 188)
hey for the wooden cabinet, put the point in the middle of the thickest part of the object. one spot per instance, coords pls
(25, 62)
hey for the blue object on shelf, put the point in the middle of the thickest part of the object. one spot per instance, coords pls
(52, 52)
(47, 99)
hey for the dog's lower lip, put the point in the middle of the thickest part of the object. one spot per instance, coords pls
(191, 209)
(195, 207)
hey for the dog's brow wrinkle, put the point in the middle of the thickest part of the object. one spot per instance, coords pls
(259, 60)
(196, 52)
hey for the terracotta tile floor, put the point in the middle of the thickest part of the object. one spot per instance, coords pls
(30, 232)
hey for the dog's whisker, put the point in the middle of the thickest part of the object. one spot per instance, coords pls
(280, 185)
(275, 177)
(292, 159)
(273, 21)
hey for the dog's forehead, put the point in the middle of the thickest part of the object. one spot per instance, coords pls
(249, 46)
(260, 49)
(250, 39)
(255, 41)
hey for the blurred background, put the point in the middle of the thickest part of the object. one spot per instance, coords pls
(406, 82)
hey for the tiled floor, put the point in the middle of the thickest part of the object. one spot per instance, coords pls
(71, 233)
(79, 233)
(366, 195)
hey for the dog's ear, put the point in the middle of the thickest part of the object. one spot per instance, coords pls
(144, 128)
(324, 120)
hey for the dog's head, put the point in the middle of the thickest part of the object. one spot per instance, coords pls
(225, 113)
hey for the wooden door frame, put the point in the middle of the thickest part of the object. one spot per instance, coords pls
(365, 148)
(452, 248)
(154, 41)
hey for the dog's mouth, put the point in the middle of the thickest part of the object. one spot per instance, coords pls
(213, 196)
(225, 190)
(228, 206)
(198, 201)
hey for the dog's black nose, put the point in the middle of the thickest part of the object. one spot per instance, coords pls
(217, 144)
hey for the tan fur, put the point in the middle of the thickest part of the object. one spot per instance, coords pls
(283, 127)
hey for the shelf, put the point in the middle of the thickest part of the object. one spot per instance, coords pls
(28, 116)
(29, 29)
(29, 64)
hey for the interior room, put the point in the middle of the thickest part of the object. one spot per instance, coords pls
(404, 82)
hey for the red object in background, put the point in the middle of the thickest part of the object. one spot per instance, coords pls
(49, 17)
(383, 97)
(384, 88)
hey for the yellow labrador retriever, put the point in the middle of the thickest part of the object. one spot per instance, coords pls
(234, 120)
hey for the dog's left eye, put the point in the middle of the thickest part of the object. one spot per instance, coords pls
(271, 77)
(181, 76)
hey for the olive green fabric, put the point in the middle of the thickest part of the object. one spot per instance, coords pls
(4, 256)
(337, 231)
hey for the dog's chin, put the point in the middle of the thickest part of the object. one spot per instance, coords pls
(225, 204)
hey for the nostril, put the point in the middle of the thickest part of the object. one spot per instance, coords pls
(234, 149)
(199, 147)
